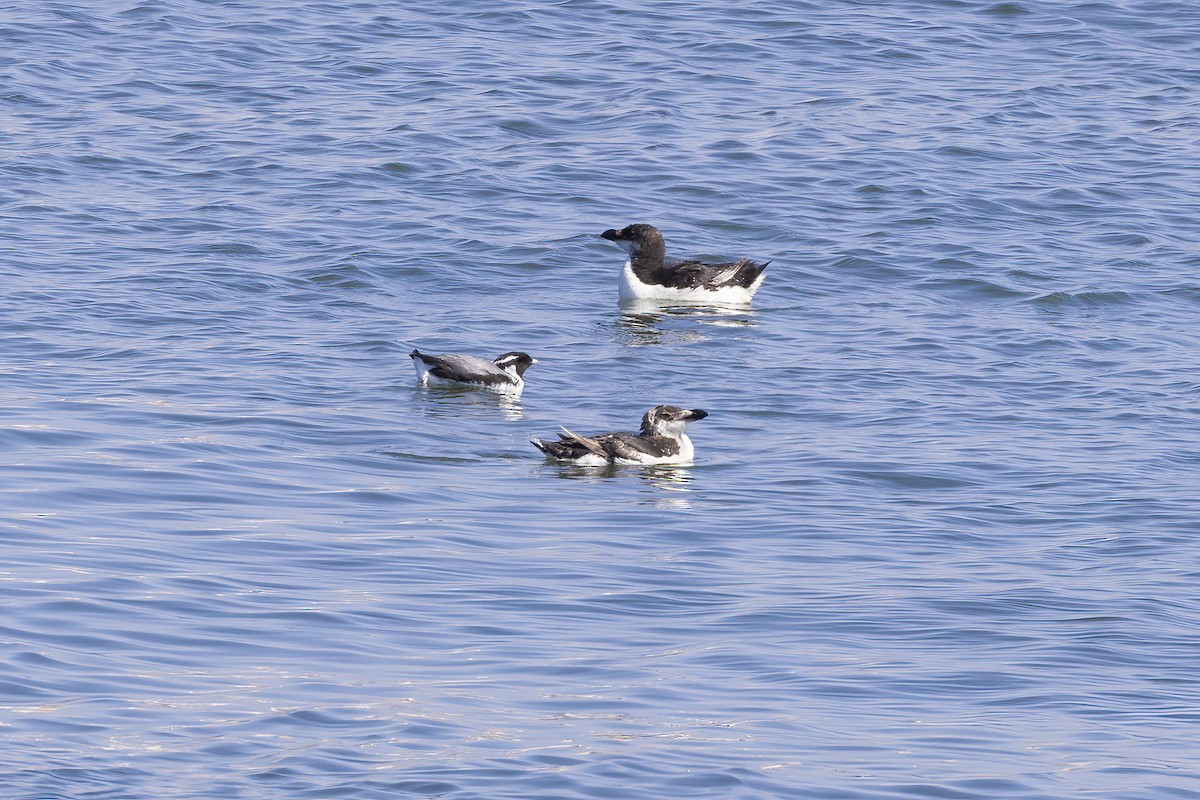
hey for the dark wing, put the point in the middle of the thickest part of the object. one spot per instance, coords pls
(610, 446)
(697, 275)
(464, 368)
(632, 447)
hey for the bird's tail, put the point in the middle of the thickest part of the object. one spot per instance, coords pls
(588, 443)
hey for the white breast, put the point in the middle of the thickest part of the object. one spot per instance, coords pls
(685, 455)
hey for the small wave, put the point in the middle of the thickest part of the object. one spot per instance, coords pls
(231, 249)
(1126, 239)
(1089, 299)
(976, 287)
(911, 480)
(339, 276)
(403, 456)
(398, 168)
(1006, 9)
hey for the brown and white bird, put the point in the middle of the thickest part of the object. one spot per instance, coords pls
(661, 441)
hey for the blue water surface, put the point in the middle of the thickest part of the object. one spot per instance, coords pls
(940, 537)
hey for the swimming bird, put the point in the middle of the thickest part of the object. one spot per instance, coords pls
(649, 276)
(660, 441)
(503, 374)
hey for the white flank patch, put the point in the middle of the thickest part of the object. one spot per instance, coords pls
(422, 372)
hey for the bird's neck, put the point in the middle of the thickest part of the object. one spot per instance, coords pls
(651, 255)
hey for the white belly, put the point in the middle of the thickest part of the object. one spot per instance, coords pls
(633, 289)
(426, 378)
(684, 456)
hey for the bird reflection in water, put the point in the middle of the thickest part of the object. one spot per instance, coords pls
(668, 486)
(455, 401)
(642, 322)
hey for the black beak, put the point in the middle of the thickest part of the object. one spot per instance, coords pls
(609, 234)
(696, 414)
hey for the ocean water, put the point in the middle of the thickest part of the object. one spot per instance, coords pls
(940, 538)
